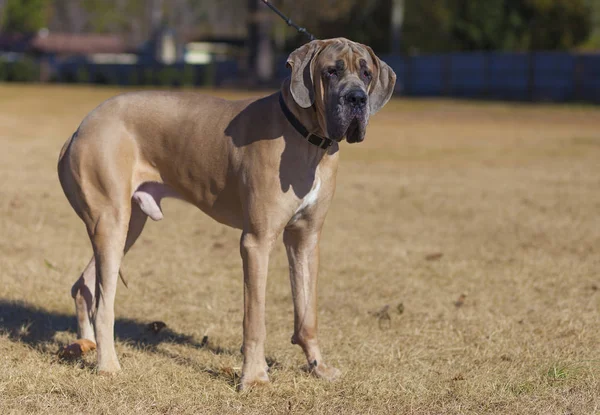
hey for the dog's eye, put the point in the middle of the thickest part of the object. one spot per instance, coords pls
(331, 72)
(366, 74)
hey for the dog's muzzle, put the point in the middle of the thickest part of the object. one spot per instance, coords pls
(356, 112)
(348, 114)
(356, 99)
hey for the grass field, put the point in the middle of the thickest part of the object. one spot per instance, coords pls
(476, 224)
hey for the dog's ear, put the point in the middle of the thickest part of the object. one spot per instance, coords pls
(301, 62)
(382, 85)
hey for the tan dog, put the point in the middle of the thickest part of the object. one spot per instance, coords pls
(247, 164)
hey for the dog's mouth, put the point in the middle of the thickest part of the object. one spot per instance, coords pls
(356, 131)
(345, 122)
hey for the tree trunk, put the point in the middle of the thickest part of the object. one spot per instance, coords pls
(156, 15)
(260, 47)
(397, 20)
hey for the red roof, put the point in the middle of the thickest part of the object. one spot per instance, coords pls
(66, 43)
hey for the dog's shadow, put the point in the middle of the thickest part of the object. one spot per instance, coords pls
(37, 327)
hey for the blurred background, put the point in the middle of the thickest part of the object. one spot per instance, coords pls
(460, 260)
(501, 49)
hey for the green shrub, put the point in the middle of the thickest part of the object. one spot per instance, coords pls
(134, 76)
(83, 75)
(187, 78)
(3, 70)
(167, 76)
(106, 75)
(148, 77)
(209, 75)
(24, 70)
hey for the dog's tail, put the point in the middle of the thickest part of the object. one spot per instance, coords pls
(63, 152)
(64, 175)
(65, 147)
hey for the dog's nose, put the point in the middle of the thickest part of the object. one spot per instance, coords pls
(357, 98)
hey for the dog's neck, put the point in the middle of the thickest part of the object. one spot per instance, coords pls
(309, 117)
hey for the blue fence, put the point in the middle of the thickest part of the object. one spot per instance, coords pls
(540, 76)
(214, 74)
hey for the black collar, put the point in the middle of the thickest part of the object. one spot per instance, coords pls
(317, 140)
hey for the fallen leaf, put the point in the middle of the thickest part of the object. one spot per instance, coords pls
(228, 371)
(16, 203)
(76, 350)
(461, 300)
(434, 257)
(400, 308)
(383, 317)
(50, 265)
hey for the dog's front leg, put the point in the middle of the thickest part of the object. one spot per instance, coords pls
(302, 246)
(255, 256)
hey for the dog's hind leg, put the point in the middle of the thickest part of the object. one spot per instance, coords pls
(96, 171)
(84, 289)
(108, 236)
(84, 292)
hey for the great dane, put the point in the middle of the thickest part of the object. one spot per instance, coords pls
(266, 166)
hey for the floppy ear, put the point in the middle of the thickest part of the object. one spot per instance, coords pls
(382, 86)
(301, 61)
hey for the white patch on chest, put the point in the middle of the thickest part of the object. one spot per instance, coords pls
(309, 199)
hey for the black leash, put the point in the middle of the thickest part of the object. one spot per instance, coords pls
(289, 21)
(317, 140)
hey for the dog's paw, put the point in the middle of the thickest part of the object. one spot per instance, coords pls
(250, 382)
(108, 373)
(108, 369)
(108, 366)
(324, 371)
(77, 349)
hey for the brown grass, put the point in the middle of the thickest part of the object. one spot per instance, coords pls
(481, 219)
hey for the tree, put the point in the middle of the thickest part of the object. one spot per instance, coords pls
(397, 20)
(558, 24)
(260, 47)
(477, 25)
(510, 25)
(593, 41)
(427, 26)
(365, 21)
(24, 15)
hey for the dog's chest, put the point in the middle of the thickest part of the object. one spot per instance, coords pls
(309, 200)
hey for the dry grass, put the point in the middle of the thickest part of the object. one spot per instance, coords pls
(481, 219)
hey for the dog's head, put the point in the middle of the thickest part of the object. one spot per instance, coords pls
(345, 81)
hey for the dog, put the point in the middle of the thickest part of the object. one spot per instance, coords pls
(265, 166)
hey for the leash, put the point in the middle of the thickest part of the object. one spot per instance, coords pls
(288, 20)
(317, 140)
